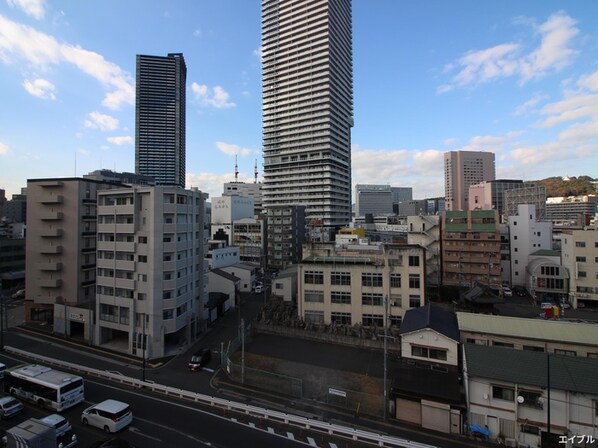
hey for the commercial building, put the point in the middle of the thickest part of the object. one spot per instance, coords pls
(151, 274)
(490, 195)
(249, 235)
(120, 178)
(527, 194)
(400, 194)
(360, 283)
(375, 200)
(225, 211)
(571, 211)
(160, 105)
(471, 248)
(307, 90)
(246, 190)
(462, 169)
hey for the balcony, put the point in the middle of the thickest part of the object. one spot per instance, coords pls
(51, 233)
(50, 283)
(88, 250)
(87, 283)
(51, 216)
(50, 250)
(52, 199)
(55, 267)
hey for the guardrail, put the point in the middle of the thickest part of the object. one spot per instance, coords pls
(256, 411)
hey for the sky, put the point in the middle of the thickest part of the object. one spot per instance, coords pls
(517, 78)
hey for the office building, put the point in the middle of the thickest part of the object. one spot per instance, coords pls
(375, 200)
(286, 234)
(151, 275)
(246, 190)
(572, 210)
(225, 211)
(462, 169)
(400, 194)
(490, 195)
(527, 194)
(120, 178)
(360, 283)
(160, 118)
(307, 83)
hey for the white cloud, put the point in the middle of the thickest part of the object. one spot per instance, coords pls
(197, 33)
(216, 97)
(121, 140)
(42, 50)
(259, 52)
(234, 150)
(40, 88)
(4, 149)
(33, 8)
(101, 121)
(451, 141)
(508, 59)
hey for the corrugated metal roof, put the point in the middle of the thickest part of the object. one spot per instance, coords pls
(525, 367)
(546, 330)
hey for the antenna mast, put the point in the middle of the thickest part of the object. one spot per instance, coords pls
(236, 169)
(255, 173)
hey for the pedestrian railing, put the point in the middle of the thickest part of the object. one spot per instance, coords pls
(256, 411)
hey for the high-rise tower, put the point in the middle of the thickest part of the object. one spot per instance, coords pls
(462, 169)
(160, 118)
(307, 83)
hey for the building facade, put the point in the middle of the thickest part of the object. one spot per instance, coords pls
(151, 275)
(285, 236)
(490, 195)
(462, 169)
(526, 236)
(572, 210)
(363, 283)
(471, 248)
(249, 235)
(246, 190)
(527, 194)
(307, 90)
(580, 256)
(375, 200)
(225, 211)
(160, 107)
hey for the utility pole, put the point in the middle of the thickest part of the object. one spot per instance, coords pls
(385, 351)
(143, 345)
(242, 351)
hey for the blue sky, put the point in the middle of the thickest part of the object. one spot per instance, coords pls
(516, 78)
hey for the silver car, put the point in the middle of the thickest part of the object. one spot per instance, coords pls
(9, 407)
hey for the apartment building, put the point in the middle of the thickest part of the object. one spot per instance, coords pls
(286, 234)
(151, 274)
(471, 247)
(462, 169)
(360, 283)
(580, 257)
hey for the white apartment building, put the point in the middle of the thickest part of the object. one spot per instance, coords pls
(307, 91)
(424, 230)
(151, 274)
(580, 256)
(526, 236)
(225, 211)
(354, 284)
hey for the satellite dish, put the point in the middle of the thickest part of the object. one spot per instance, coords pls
(520, 399)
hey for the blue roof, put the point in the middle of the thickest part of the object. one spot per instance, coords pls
(432, 317)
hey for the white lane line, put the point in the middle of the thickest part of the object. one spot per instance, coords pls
(207, 369)
(141, 433)
(311, 441)
(290, 435)
(270, 430)
(332, 445)
(252, 425)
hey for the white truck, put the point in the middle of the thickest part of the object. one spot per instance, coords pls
(34, 433)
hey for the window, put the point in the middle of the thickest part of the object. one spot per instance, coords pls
(414, 281)
(533, 348)
(340, 278)
(340, 297)
(395, 280)
(371, 299)
(430, 353)
(142, 259)
(371, 320)
(565, 352)
(413, 260)
(580, 259)
(580, 244)
(168, 314)
(503, 393)
(502, 344)
(314, 277)
(531, 399)
(414, 301)
(341, 318)
(314, 317)
(530, 429)
(314, 296)
(143, 240)
(371, 279)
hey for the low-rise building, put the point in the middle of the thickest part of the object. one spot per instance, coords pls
(580, 256)
(285, 284)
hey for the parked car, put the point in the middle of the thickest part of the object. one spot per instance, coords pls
(258, 289)
(506, 291)
(20, 294)
(200, 359)
(9, 407)
(109, 415)
(59, 423)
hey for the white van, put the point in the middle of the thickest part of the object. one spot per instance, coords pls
(109, 415)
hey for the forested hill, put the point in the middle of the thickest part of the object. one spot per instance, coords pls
(556, 186)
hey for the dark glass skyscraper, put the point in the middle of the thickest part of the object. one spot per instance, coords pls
(160, 118)
(307, 93)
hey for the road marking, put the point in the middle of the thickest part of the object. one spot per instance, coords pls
(290, 435)
(270, 430)
(207, 369)
(168, 428)
(252, 425)
(233, 419)
(311, 441)
(141, 433)
(332, 445)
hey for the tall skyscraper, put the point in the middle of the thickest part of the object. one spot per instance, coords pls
(307, 83)
(462, 169)
(160, 118)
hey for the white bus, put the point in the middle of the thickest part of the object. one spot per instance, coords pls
(44, 386)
